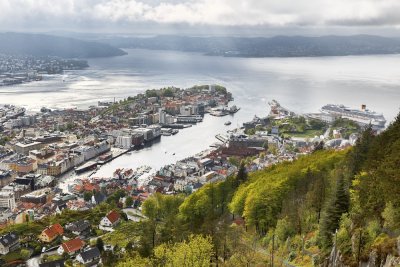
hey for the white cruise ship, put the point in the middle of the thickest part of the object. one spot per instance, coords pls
(362, 116)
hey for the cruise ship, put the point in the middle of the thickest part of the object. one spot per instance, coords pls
(362, 116)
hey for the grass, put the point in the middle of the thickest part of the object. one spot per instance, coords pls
(307, 133)
(19, 254)
(120, 237)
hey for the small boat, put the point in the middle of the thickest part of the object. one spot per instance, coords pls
(228, 123)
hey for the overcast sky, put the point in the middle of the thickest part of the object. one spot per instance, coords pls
(156, 15)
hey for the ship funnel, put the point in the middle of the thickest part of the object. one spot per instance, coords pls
(363, 107)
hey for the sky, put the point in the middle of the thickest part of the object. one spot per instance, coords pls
(151, 16)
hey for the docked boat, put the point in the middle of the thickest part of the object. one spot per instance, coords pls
(90, 165)
(233, 109)
(361, 116)
(219, 111)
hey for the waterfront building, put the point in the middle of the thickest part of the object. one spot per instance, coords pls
(124, 142)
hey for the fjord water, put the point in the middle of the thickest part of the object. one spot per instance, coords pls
(301, 84)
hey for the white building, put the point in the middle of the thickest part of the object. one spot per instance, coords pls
(124, 141)
(163, 116)
(7, 200)
(111, 220)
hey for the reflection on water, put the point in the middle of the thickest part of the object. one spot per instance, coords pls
(302, 84)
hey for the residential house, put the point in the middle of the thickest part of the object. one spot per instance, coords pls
(61, 207)
(51, 233)
(71, 246)
(111, 220)
(8, 243)
(89, 257)
(98, 197)
(81, 227)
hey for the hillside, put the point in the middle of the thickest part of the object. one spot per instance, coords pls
(41, 45)
(278, 46)
(329, 208)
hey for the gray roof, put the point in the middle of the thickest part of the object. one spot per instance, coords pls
(90, 254)
(9, 239)
(78, 226)
(57, 263)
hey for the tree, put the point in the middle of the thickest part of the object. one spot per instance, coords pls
(196, 252)
(100, 244)
(391, 215)
(338, 205)
(359, 154)
(128, 201)
(168, 92)
(241, 176)
(87, 196)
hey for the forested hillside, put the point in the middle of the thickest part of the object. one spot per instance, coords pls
(329, 208)
(292, 213)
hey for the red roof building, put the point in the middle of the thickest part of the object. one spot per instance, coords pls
(71, 246)
(51, 233)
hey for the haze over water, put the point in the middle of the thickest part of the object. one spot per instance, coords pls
(300, 84)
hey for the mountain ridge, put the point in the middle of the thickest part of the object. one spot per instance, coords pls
(12, 43)
(276, 46)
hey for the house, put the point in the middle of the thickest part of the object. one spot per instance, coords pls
(61, 207)
(81, 227)
(89, 257)
(8, 243)
(57, 263)
(111, 220)
(71, 246)
(51, 233)
(98, 197)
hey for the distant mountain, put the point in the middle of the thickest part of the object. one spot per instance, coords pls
(47, 45)
(278, 46)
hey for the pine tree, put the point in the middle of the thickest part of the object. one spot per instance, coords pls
(338, 205)
(241, 176)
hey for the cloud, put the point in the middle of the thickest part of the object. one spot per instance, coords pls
(126, 13)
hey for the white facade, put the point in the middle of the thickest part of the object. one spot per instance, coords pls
(124, 141)
(7, 200)
(163, 117)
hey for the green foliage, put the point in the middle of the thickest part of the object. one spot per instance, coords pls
(135, 261)
(87, 196)
(196, 252)
(241, 176)
(283, 230)
(344, 235)
(128, 202)
(391, 215)
(338, 205)
(168, 92)
(151, 93)
(260, 200)
(100, 244)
